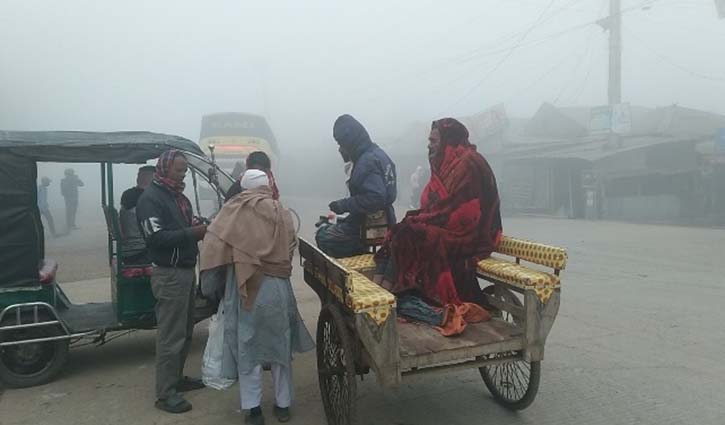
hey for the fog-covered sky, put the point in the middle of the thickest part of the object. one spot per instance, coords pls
(160, 65)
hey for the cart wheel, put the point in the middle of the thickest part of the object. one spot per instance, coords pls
(297, 220)
(336, 367)
(513, 384)
(28, 365)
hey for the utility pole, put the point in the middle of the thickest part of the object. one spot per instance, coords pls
(615, 53)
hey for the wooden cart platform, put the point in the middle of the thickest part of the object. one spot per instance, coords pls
(358, 328)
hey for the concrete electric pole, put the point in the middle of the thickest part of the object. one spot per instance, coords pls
(615, 52)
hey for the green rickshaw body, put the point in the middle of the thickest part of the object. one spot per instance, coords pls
(33, 308)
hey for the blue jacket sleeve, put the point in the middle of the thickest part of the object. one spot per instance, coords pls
(149, 213)
(370, 196)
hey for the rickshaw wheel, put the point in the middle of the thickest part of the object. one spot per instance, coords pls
(512, 384)
(28, 365)
(336, 367)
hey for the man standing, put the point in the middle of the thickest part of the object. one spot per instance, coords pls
(256, 160)
(165, 215)
(133, 246)
(69, 189)
(43, 204)
(372, 186)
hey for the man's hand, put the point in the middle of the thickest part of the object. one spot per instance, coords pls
(199, 231)
(336, 207)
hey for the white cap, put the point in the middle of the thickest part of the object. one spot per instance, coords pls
(253, 179)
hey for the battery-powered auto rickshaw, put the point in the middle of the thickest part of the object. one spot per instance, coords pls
(38, 322)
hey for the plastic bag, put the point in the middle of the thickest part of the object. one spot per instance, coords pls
(211, 366)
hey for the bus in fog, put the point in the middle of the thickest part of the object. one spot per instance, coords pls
(234, 136)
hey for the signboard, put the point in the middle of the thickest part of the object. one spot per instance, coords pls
(720, 141)
(615, 118)
(621, 119)
(600, 119)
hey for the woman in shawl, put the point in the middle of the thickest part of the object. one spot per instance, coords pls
(434, 251)
(249, 246)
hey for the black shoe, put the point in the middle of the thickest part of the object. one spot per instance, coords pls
(174, 404)
(254, 417)
(282, 413)
(189, 384)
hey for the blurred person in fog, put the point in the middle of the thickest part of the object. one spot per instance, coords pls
(166, 218)
(238, 170)
(69, 189)
(256, 160)
(417, 180)
(43, 204)
(372, 187)
(133, 246)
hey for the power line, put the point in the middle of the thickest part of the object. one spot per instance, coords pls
(593, 60)
(484, 55)
(567, 84)
(671, 62)
(504, 59)
(479, 53)
(540, 78)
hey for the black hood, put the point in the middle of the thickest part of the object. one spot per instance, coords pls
(351, 135)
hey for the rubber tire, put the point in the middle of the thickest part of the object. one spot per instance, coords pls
(50, 371)
(529, 395)
(535, 367)
(332, 314)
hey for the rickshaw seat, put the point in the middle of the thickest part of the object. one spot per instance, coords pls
(47, 270)
(134, 270)
(513, 273)
(373, 230)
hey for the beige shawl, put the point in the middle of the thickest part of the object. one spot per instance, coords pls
(257, 235)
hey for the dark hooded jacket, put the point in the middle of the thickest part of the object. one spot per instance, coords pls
(373, 182)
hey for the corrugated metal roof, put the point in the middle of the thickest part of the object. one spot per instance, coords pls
(588, 151)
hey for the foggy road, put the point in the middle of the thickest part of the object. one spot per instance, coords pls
(638, 339)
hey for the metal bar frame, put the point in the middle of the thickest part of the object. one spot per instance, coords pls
(470, 364)
(36, 323)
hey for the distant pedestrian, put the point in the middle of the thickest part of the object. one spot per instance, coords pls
(69, 189)
(43, 204)
(418, 180)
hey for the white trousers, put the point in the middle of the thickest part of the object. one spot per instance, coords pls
(250, 387)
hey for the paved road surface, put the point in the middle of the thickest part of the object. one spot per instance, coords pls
(639, 340)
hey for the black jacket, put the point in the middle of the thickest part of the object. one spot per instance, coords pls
(169, 239)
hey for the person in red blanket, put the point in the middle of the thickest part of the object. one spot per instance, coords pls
(433, 252)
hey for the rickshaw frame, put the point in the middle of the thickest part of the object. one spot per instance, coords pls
(34, 308)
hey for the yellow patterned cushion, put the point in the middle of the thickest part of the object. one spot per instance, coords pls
(514, 274)
(369, 297)
(546, 255)
(358, 263)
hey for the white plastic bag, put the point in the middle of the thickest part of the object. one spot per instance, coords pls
(211, 366)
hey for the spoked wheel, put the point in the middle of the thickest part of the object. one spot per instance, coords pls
(28, 365)
(513, 383)
(297, 220)
(336, 367)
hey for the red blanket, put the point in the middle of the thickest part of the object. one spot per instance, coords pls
(436, 249)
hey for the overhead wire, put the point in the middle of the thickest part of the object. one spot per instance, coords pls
(586, 55)
(533, 26)
(486, 50)
(670, 61)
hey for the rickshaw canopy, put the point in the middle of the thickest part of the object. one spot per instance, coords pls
(21, 231)
(129, 147)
